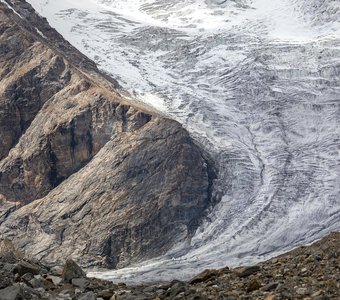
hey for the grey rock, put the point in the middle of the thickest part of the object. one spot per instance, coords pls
(7, 267)
(9, 257)
(6, 279)
(20, 292)
(14, 292)
(55, 279)
(88, 296)
(27, 277)
(71, 270)
(36, 283)
(80, 282)
(56, 271)
(321, 297)
(270, 286)
(24, 267)
(177, 288)
(303, 291)
(160, 292)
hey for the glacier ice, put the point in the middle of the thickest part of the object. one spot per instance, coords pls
(257, 83)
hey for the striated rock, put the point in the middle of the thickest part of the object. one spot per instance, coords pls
(86, 173)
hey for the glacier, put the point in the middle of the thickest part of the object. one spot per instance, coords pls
(256, 83)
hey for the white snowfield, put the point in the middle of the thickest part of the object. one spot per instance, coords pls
(257, 84)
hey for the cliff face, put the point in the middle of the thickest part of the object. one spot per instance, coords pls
(83, 172)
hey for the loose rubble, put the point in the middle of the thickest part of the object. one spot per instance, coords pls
(309, 273)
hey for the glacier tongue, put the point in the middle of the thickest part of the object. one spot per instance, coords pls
(257, 83)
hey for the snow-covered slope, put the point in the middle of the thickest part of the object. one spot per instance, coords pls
(257, 83)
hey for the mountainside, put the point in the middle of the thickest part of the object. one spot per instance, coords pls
(78, 159)
(257, 83)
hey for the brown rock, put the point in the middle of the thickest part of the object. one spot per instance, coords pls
(271, 297)
(106, 294)
(247, 271)
(6, 246)
(91, 157)
(71, 270)
(56, 280)
(253, 285)
(205, 276)
(270, 286)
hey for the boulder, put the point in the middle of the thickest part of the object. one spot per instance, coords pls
(71, 270)
(54, 279)
(23, 267)
(13, 292)
(247, 271)
(6, 279)
(9, 257)
(205, 276)
(88, 296)
(80, 282)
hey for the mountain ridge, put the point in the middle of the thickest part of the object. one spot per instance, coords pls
(85, 159)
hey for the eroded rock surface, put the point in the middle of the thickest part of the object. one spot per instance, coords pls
(84, 173)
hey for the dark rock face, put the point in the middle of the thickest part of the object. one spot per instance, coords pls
(127, 204)
(84, 173)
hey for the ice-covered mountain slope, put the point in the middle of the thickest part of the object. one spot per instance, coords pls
(257, 83)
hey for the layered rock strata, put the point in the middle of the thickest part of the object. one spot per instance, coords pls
(85, 172)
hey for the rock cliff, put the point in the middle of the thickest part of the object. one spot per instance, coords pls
(85, 172)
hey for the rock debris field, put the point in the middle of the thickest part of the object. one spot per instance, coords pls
(308, 272)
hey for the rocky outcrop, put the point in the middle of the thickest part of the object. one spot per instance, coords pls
(85, 173)
(128, 203)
